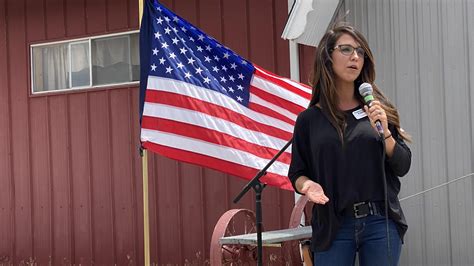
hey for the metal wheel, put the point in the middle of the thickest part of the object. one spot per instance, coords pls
(292, 248)
(233, 222)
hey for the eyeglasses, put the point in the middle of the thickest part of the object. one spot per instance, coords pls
(347, 49)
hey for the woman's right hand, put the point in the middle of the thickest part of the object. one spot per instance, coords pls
(314, 192)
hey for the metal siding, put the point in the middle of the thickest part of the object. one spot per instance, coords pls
(73, 187)
(81, 179)
(425, 67)
(6, 180)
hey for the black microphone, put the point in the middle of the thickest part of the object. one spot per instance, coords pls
(365, 90)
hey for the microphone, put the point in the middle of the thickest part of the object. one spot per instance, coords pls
(365, 90)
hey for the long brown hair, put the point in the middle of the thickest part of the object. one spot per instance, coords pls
(324, 88)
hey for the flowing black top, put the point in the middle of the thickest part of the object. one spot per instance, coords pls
(348, 172)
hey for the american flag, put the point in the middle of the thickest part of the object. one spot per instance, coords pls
(206, 105)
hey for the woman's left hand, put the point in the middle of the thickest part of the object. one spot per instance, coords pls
(376, 112)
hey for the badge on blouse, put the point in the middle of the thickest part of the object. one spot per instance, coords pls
(358, 114)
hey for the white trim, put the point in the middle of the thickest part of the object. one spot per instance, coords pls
(87, 88)
(85, 38)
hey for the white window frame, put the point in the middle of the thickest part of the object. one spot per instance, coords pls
(75, 41)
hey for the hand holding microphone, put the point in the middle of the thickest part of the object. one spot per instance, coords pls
(375, 111)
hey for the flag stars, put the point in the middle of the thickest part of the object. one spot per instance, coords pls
(187, 75)
(157, 35)
(175, 19)
(207, 59)
(184, 29)
(159, 20)
(224, 68)
(233, 66)
(226, 55)
(231, 78)
(159, 9)
(215, 69)
(239, 99)
(167, 30)
(208, 48)
(153, 67)
(191, 39)
(183, 40)
(155, 51)
(175, 40)
(216, 58)
(199, 48)
(240, 88)
(231, 89)
(180, 65)
(244, 62)
(191, 60)
(169, 69)
(207, 80)
(183, 50)
(172, 56)
(167, 19)
(162, 61)
(223, 79)
(198, 70)
(164, 45)
(241, 76)
(201, 37)
(175, 30)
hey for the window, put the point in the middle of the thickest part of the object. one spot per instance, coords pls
(85, 63)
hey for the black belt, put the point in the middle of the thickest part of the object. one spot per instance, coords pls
(364, 208)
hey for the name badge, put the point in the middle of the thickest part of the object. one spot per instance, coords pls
(358, 114)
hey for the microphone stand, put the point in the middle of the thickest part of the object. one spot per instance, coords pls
(258, 188)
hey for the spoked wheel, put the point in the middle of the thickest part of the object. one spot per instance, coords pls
(233, 222)
(292, 248)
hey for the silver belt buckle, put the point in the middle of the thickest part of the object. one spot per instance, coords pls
(356, 210)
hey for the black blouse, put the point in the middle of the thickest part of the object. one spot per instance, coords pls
(348, 172)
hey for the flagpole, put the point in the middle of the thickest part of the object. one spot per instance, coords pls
(144, 154)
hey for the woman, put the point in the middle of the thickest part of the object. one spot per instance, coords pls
(338, 159)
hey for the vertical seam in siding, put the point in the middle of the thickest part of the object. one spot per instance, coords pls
(64, 12)
(133, 188)
(129, 25)
(91, 196)
(156, 204)
(107, 20)
(111, 175)
(392, 38)
(420, 111)
(71, 187)
(50, 173)
(180, 210)
(247, 20)
(466, 33)
(28, 157)
(10, 143)
(440, 16)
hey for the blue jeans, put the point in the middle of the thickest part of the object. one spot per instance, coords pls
(368, 236)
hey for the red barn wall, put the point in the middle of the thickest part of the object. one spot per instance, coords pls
(70, 171)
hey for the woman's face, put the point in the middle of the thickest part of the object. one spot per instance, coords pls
(348, 59)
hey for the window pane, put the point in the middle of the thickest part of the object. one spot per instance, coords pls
(135, 53)
(50, 68)
(111, 60)
(80, 65)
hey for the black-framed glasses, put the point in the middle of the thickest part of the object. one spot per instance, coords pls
(347, 49)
